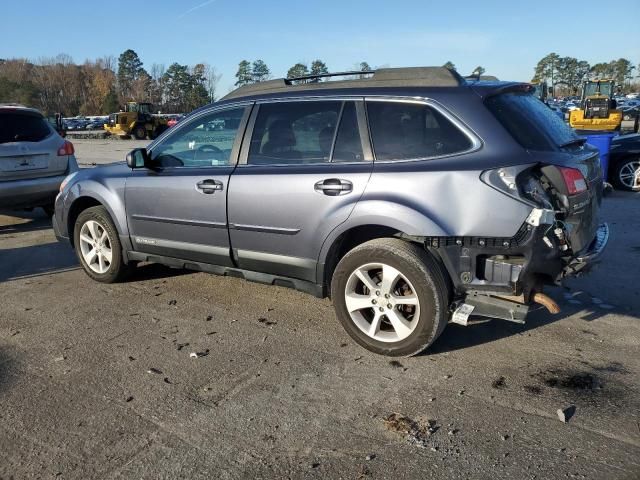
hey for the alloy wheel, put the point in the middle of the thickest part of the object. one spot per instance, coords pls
(382, 302)
(629, 174)
(95, 246)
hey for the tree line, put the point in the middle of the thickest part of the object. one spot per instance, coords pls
(564, 75)
(104, 85)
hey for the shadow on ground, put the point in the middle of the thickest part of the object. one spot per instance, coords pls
(6, 363)
(36, 260)
(456, 337)
(24, 221)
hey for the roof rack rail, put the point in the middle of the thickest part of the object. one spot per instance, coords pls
(382, 77)
(327, 75)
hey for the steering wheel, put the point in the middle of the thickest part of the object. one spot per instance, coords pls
(207, 148)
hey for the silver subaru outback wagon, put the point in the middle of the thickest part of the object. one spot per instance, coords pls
(412, 198)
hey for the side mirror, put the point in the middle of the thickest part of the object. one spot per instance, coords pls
(137, 158)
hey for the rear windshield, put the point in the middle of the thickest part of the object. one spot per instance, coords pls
(22, 127)
(531, 123)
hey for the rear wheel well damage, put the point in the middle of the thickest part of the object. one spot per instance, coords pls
(353, 237)
(77, 207)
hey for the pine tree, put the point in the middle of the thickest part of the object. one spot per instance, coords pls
(244, 74)
(260, 71)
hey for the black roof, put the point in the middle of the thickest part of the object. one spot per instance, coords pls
(382, 77)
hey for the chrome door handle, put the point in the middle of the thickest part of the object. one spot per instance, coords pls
(209, 186)
(333, 187)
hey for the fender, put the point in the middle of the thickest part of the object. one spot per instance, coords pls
(109, 192)
(381, 213)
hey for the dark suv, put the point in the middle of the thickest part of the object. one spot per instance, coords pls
(411, 196)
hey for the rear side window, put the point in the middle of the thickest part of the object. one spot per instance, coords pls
(294, 132)
(23, 127)
(348, 147)
(405, 131)
(530, 122)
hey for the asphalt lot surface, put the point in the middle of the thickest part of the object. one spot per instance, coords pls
(97, 381)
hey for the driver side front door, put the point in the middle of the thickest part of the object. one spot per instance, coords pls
(178, 207)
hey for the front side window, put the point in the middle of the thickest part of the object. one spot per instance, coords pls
(205, 142)
(405, 131)
(294, 133)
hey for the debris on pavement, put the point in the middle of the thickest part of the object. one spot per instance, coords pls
(415, 433)
(154, 370)
(370, 457)
(397, 364)
(565, 414)
(173, 302)
(266, 322)
(180, 346)
(129, 399)
(199, 354)
(61, 358)
(499, 383)
(166, 380)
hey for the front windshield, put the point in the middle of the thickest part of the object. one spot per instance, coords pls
(591, 89)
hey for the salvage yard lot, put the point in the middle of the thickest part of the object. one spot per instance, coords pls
(97, 381)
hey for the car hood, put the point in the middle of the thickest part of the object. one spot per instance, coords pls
(102, 172)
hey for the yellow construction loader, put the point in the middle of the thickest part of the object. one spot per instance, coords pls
(136, 120)
(597, 108)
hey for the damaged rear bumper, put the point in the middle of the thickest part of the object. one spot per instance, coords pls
(590, 256)
(510, 295)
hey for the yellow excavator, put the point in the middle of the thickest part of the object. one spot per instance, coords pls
(597, 108)
(136, 120)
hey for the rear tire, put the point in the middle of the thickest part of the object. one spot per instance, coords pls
(98, 246)
(404, 309)
(139, 132)
(623, 172)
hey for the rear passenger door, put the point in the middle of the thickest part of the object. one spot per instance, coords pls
(301, 172)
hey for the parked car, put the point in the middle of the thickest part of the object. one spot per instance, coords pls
(630, 113)
(412, 198)
(96, 124)
(34, 159)
(624, 162)
(174, 120)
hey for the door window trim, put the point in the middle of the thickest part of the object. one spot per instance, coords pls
(476, 142)
(237, 142)
(362, 130)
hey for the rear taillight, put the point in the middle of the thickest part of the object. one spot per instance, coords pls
(574, 180)
(66, 149)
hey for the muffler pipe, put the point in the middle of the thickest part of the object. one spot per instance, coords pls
(547, 302)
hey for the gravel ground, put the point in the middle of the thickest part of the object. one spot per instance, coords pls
(97, 381)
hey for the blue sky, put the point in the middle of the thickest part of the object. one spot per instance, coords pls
(506, 37)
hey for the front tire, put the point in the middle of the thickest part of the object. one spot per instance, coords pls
(98, 246)
(391, 297)
(139, 132)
